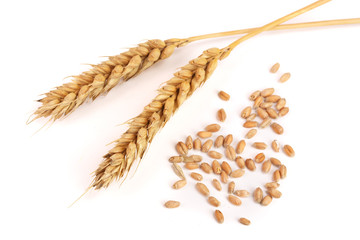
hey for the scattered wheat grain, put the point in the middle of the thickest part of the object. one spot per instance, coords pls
(275, 68)
(258, 195)
(250, 164)
(288, 150)
(244, 221)
(221, 115)
(202, 189)
(219, 216)
(251, 133)
(213, 201)
(284, 77)
(196, 176)
(266, 166)
(213, 127)
(179, 184)
(216, 184)
(172, 204)
(224, 96)
(206, 167)
(207, 145)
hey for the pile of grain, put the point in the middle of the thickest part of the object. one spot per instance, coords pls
(224, 155)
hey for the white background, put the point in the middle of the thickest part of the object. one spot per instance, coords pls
(41, 174)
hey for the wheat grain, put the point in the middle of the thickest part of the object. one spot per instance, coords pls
(176, 159)
(275, 145)
(275, 68)
(266, 166)
(172, 204)
(276, 175)
(213, 127)
(234, 200)
(202, 189)
(230, 153)
(197, 144)
(178, 171)
(191, 165)
(179, 184)
(219, 216)
(257, 102)
(272, 113)
(272, 98)
(192, 158)
(284, 77)
(216, 184)
(250, 164)
(254, 95)
(240, 162)
(237, 173)
(258, 195)
(242, 193)
(206, 167)
(221, 115)
(244, 221)
(240, 146)
(231, 187)
(251, 133)
(288, 150)
(276, 162)
(216, 167)
(283, 111)
(224, 177)
(273, 192)
(196, 176)
(228, 140)
(226, 167)
(267, 92)
(215, 154)
(189, 142)
(259, 158)
(219, 141)
(213, 201)
(207, 145)
(224, 96)
(245, 113)
(266, 200)
(181, 148)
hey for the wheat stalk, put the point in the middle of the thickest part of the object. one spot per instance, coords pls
(142, 129)
(103, 77)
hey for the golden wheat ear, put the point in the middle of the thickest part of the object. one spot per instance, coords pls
(101, 78)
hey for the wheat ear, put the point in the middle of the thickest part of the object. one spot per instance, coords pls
(104, 76)
(101, 78)
(142, 129)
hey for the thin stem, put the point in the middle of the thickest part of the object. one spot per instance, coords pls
(276, 22)
(279, 27)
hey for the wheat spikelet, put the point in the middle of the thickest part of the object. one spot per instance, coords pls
(155, 115)
(101, 78)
